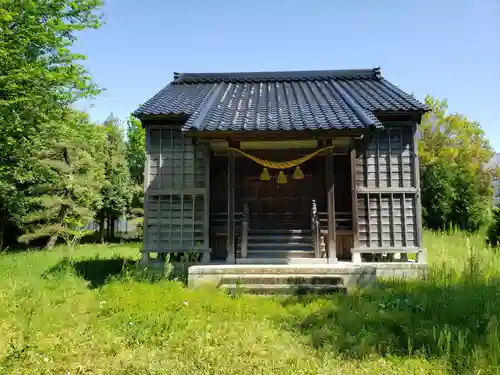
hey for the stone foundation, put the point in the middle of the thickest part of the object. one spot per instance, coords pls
(279, 278)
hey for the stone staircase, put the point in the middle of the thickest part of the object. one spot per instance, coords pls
(279, 244)
(283, 279)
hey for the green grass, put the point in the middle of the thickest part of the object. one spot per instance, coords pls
(93, 316)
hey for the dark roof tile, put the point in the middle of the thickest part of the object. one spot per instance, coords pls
(275, 101)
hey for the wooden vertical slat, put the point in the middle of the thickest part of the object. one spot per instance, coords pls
(160, 197)
(403, 218)
(354, 197)
(377, 185)
(182, 220)
(172, 158)
(193, 230)
(392, 235)
(377, 159)
(416, 181)
(330, 191)
(170, 219)
(207, 197)
(230, 207)
(389, 157)
(183, 166)
(368, 221)
(160, 171)
(147, 173)
(380, 226)
(401, 160)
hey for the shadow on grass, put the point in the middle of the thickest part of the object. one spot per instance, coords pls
(455, 320)
(100, 271)
(97, 271)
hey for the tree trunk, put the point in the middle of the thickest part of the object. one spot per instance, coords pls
(112, 220)
(108, 228)
(60, 220)
(102, 224)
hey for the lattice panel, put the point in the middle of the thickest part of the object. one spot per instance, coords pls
(387, 160)
(175, 162)
(175, 221)
(387, 220)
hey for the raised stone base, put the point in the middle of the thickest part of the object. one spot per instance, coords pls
(294, 278)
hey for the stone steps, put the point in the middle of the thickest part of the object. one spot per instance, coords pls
(270, 289)
(280, 278)
(283, 279)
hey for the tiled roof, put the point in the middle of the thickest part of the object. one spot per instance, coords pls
(275, 101)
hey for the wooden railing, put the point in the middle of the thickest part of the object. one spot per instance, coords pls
(244, 230)
(316, 230)
(343, 220)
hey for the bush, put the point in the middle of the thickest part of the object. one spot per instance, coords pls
(493, 233)
(452, 197)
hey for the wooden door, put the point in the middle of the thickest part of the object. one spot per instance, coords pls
(274, 205)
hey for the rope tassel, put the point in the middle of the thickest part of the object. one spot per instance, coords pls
(282, 177)
(298, 174)
(265, 176)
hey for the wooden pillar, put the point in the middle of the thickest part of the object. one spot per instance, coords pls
(416, 182)
(356, 257)
(206, 233)
(231, 251)
(330, 193)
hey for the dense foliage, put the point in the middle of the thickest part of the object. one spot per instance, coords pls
(40, 78)
(456, 186)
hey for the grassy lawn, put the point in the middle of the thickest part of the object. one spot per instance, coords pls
(89, 317)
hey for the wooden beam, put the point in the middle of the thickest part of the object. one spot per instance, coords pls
(330, 193)
(231, 250)
(280, 135)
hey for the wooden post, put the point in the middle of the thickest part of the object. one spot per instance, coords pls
(356, 257)
(416, 181)
(244, 230)
(230, 208)
(147, 182)
(330, 191)
(206, 201)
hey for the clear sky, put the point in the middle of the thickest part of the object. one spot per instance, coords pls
(447, 48)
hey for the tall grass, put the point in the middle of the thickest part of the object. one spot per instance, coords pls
(93, 315)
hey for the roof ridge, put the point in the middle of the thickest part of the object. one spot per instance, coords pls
(265, 76)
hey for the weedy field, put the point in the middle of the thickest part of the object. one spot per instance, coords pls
(94, 314)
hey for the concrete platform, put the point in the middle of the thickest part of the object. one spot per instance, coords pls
(291, 278)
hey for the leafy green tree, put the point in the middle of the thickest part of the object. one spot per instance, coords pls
(136, 157)
(116, 191)
(40, 76)
(71, 178)
(136, 150)
(456, 186)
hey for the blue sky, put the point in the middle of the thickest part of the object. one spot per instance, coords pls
(447, 48)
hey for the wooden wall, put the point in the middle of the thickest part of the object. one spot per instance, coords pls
(176, 191)
(387, 187)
